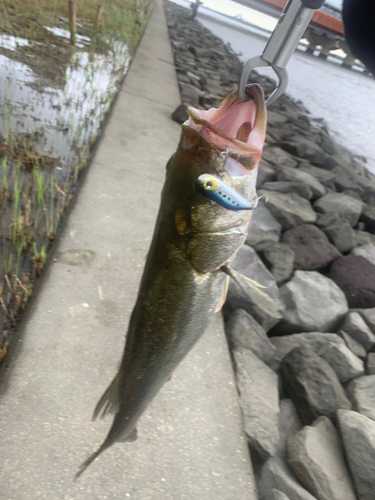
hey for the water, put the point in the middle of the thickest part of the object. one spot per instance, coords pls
(47, 128)
(345, 99)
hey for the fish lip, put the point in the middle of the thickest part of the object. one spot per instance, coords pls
(199, 121)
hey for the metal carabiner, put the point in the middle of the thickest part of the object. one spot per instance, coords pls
(284, 40)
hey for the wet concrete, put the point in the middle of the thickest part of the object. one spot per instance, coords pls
(191, 442)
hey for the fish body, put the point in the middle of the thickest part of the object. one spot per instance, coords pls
(184, 280)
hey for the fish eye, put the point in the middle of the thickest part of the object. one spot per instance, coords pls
(209, 184)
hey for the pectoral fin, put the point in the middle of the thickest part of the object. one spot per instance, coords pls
(223, 295)
(109, 402)
(252, 289)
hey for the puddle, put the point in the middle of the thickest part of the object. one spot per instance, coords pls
(53, 101)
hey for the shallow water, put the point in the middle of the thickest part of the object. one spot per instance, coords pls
(47, 130)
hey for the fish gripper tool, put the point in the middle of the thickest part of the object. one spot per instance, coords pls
(284, 40)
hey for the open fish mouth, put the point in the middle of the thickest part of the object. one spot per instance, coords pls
(236, 128)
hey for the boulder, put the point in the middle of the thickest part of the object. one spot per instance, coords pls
(280, 258)
(259, 398)
(369, 317)
(312, 303)
(327, 345)
(356, 278)
(339, 231)
(276, 495)
(265, 173)
(344, 180)
(368, 217)
(352, 193)
(312, 385)
(275, 474)
(345, 206)
(323, 176)
(297, 175)
(363, 237)
(304, 148)
(302, 190)
(316, 457)
(244, 331)
(289, 423)
(275, 119)
(312, 250)
(190, 95)
(358, 434)
(366, 251)
(356, 327)
(361, 393)
(289, 210)
(353, 345)
(249, 264)
(370, 363)
(278, 156)
(263, 228)
(180, 115)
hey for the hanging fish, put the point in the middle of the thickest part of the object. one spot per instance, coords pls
(187, 270)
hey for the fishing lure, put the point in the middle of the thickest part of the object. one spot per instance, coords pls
(214, 188)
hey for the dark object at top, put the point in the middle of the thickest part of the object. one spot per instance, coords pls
(359, 19)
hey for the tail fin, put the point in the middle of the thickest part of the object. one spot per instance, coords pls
(91, 458)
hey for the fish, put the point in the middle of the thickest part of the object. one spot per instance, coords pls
(186, 274)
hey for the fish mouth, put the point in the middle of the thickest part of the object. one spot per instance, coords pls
(236, 128)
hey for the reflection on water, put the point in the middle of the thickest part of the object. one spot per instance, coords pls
(47, 130)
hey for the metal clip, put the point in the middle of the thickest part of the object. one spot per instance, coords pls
(290, 28)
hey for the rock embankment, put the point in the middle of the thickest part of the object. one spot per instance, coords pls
(306, 374)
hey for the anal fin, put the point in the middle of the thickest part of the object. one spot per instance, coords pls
(109, 402)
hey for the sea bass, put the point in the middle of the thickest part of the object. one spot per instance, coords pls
(195, 239)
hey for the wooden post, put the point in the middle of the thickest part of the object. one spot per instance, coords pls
(72, 21)
(99, 13)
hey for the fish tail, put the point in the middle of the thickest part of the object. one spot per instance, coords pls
(91, 458)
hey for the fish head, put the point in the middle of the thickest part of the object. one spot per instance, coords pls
(225, 142)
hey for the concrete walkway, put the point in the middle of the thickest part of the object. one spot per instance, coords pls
(190, 443)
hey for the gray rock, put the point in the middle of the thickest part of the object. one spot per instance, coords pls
(289, 423)
(190, 95)
(263, 228)
(352, 193)
(280, 258)
(368, 217)
(180, 115)
(265, 173)
(361, 392)
(249, 264)
(353, 345)
(345, 206)
(358, 434)
(369, 317)
(363, 237)
(327, 345)
(304, 148)
(312, 385)
(244, 331)
(275, 119)
(316, 457)
(312, 250)
(323, 176)
(344, 180)
(312, 303)
(276, 495)
(275, 474)
(355, 326)
(339, 231)
(297, 175)
(370, 363)
(277, 156)
(258, 388)
(366, 251)
(289, 210)
(302, 190)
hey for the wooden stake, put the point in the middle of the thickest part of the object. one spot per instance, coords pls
(99, 13)
(72, 21)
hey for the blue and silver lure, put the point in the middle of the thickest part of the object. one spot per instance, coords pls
(214, 188)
